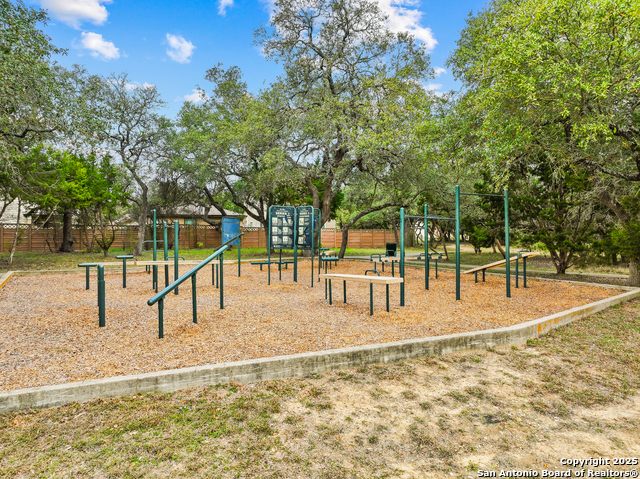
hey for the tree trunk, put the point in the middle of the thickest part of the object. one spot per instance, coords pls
(496, 242)
(634, 274)
(345, 240)
(14, 245)
(67, 233)
(142, 223)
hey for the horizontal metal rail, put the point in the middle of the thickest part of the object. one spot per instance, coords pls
(430, 217)
(193, 271)
(481, 194)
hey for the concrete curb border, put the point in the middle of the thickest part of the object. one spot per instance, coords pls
(5, 278)
(297, 365)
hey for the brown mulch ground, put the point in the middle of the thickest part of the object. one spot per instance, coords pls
(49, 323)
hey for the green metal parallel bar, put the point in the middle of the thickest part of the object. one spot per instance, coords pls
(191, 272)
(154, 279)
(176, 233)
(194, 300)
(401, 262)
(506, 239)
(457, 243)
(166, 255)
(186, 276)
(101, 297)
(221, 282)
(426, 248)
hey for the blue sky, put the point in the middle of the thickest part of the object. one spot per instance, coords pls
(171, 44)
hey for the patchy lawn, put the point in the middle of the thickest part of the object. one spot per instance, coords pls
(570, 394)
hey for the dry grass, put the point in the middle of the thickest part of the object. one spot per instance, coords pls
(49, 332)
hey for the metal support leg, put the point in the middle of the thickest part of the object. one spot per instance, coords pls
(193, 299)
(370, 299)
(87, 283)
(387, 298)
(483, 271)
(160, 318)
(217, 277)
(524, 271)
(476, 273)
(436, 269)
(330, 300)
(517, 286)
(101, 297)
(166, 275)
(344, 290)
(213, 274)
(221, 281)
(393, 273)
(124, 273)
(325, 289)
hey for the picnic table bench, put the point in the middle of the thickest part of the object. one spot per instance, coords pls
(386, 280)
(521, 255)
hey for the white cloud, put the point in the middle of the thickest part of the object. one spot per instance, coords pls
(434, 87)
(197, 96)
(135, 84)
(403, 16)
(179, 49)
(439, 71)
(224, 4)
(74, 12)
(99, 47)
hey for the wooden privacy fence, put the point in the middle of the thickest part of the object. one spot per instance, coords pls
(38, 240)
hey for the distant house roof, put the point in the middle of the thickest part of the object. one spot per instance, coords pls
(182, 212)
(191, 211)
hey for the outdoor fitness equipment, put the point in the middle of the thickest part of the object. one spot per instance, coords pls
(427, 256)
(458, 193)
(293, 228)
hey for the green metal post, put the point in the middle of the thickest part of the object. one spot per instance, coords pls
(221, 281)
(193, 299)
(176, 233)
(101, 297)
(87, 277)
(457, 243)
(426, 248)
(166, 255)
(506, 239)
(280, 266)
(371, 298)
(312, 245)
(239, 254)
(160, 319)
(269, 248)
(295, 245)
(401, 262)
(124, 272)
(154, 279)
